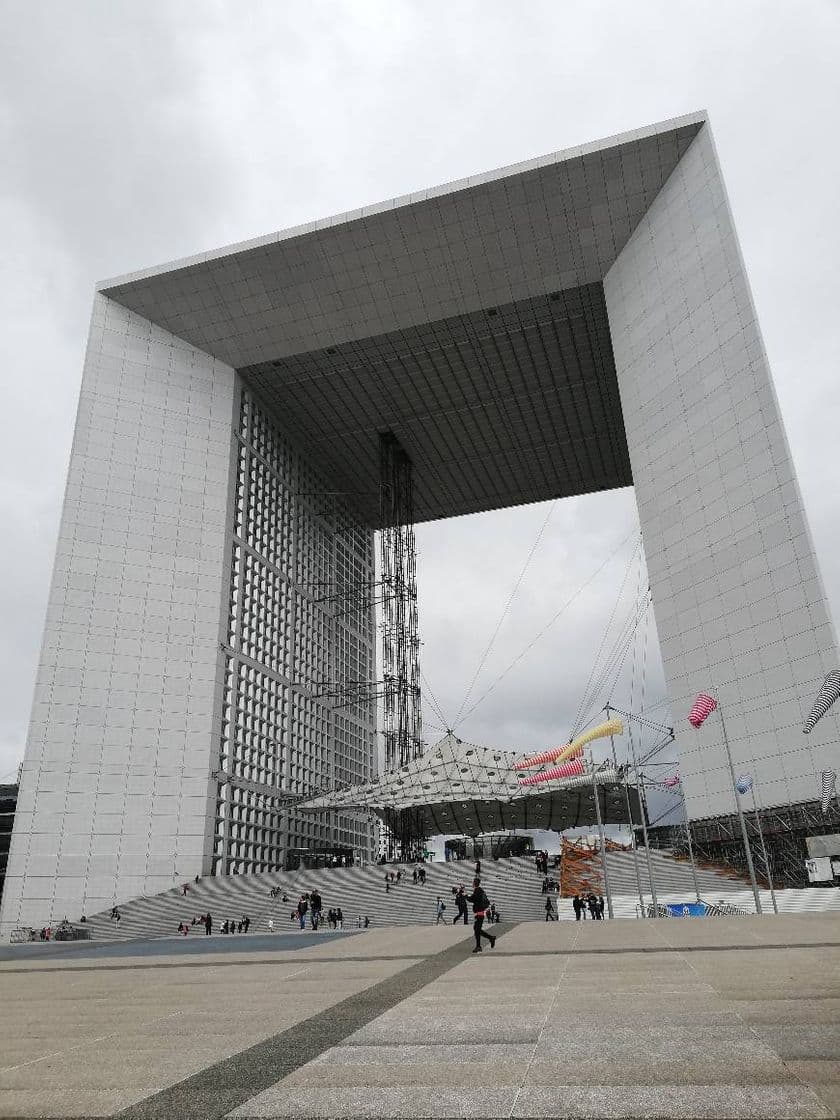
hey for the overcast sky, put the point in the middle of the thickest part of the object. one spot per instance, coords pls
(137, 132)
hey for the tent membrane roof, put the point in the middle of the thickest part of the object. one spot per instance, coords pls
(459, 787)
(468, 319)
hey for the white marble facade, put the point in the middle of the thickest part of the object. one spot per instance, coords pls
(739, 603)
(135, 679)
(114, 797)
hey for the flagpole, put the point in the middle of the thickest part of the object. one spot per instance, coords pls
(633, 845)
(643, 806)
(747, 849)
(690, 847)
(603, 841)
(763, 845)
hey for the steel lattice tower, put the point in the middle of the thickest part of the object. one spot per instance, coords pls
(402, 724)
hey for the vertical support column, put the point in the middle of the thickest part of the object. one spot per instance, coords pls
(401, 643)
(739, 604)
(400, 639)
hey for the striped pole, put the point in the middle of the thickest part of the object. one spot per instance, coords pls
(634, 847)
(643, 806)
(763, 845)
(603, 841)
(747, 849)
(690, 846)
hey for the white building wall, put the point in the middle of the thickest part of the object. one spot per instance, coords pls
(114, 797)
(738, 600)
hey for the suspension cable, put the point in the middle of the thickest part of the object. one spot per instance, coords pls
(504, 613)
(548, 625)
(584, 697)
(433, 703)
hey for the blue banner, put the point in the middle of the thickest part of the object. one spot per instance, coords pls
(686, 909)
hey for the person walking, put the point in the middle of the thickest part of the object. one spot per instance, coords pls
(463, 909)
(576, 907)
(208, 924)
(549, 911)
(339, 918)
(414, 876)
(315, 908)
(601, 907)
(480, 904)
(271, 925)
(593, 907)
(440, 906)
(302, 907)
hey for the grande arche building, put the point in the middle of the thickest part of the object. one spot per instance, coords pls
(575, 323)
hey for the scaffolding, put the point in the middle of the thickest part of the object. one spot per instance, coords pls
(401, 718)
(784, 828)
(402, 727)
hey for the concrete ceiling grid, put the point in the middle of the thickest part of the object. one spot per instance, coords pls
(469, 319)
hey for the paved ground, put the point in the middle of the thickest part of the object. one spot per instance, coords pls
(717, 1018)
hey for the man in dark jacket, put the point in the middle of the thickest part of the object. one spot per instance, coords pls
(480, 904)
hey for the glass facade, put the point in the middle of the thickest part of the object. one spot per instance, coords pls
(297, 712)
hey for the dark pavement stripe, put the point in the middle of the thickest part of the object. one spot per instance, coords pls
(581, 951)
(578, 950)
(138, 965)
(215, 1091)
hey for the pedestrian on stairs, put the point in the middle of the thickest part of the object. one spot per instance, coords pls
(208, 924)
(315, 907)
(339, 918)
(550, 916)
(576, 906)
(601, 907)
(414, 876)
(439, 909)
(480, 904)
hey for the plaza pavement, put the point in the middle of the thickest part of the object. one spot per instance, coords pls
(718, 1018)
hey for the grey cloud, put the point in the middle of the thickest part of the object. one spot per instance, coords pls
(136, 133)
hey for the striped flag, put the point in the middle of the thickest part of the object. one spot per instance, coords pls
(744, 783)
(828, 780)
(702, 707)
(674, 780)
(570, 751)
(571, 769)
(825, 698)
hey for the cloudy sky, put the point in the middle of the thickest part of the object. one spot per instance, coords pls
(133, 133)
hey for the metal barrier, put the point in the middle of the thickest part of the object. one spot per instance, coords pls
(64, 931)
(21, 934)
(699, 909)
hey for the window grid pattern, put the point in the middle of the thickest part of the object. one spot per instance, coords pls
(290, 633)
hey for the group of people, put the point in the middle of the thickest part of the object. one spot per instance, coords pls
(394, 878)
(550, 886)
(461, 900)
(583, 902)
(311, 903)
(541, 862)
(206, 920)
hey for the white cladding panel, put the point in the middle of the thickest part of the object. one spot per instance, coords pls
(114, 792)
(739, 604)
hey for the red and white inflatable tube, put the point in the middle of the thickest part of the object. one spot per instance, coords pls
(571, 769)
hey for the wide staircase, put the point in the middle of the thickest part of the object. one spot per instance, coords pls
(720, 887)
(512, 884)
